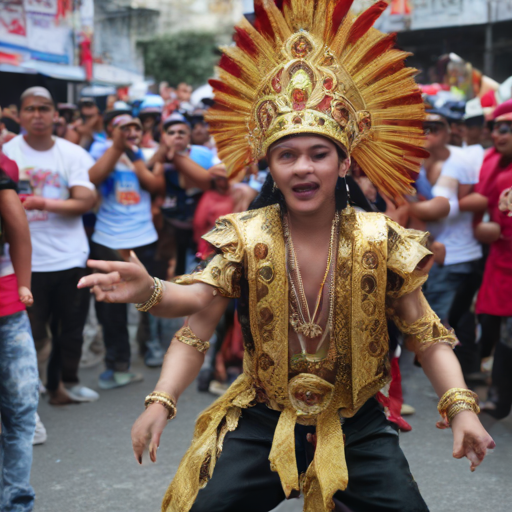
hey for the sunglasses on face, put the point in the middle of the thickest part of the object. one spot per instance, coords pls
(431, 129)
(503, 128)
(176, 132)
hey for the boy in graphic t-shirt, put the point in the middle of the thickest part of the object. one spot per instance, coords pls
(56, 191)
(18, 364)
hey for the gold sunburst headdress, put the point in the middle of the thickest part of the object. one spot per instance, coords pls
(310, 66)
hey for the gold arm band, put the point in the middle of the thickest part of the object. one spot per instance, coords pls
(158, 293)
(185, 335)
(162, 398)
(427, 330)
(456, 400)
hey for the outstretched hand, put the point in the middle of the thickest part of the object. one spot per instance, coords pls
(470, 439)
(148, 429)
(121, 282)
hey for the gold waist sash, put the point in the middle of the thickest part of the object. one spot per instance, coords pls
(310, 403)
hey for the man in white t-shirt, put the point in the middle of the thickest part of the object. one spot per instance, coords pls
(56, 191)
(451, 175)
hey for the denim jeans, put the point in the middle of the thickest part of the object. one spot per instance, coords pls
(18, 405)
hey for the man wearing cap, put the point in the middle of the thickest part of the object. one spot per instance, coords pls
(450, 175)
(90, 126)
(124, 223)
(56, 190)
(183, 189)
(150, 114)
(493, 305)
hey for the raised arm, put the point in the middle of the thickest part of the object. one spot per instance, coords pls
(181, 366)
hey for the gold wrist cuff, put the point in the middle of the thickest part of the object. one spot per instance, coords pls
(185, 335)
(162, 398)
(456, 400)
(158, 294)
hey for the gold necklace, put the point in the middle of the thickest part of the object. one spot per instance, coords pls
(302, 325)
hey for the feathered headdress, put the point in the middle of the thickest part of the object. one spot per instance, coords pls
(310, 66)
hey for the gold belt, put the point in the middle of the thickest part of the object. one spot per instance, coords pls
(310, 399)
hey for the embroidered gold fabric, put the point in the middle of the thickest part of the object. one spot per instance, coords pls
(425, 331)
(369, 246)
(224, 271)
(310, 66)
(185, 335)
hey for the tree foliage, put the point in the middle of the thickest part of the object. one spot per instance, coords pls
(181, 57)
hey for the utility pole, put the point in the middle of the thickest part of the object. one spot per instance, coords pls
(489, 52)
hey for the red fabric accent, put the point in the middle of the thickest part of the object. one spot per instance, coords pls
(365, 21)
(394, 401)
(494, 295)
(10, 167)
(211, 206)
(9, 299)
(503, 109)
(488, 99)
(86, 56)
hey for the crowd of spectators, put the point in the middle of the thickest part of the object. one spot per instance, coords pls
(144, 182)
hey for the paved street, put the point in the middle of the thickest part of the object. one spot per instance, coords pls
(87, 464)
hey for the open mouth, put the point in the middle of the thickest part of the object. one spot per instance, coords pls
(305, 190)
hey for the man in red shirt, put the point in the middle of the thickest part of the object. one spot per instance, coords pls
(18, 364)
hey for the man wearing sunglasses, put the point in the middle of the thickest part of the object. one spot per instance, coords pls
(450, 174)
(494, 306)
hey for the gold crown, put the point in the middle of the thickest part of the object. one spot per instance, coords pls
(309, 66)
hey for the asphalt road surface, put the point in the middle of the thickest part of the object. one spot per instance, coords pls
(87, 464)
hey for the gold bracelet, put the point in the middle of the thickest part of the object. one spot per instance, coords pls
(164, 399)
(185, 335)
(454, 395)
(158, 294)
(456, 400)
(459, 407)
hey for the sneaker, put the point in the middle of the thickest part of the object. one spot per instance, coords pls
(40, 435)
(217, 388)
(82, 394)
(110, 379)
(154, 356)
(42, 388)
(407, 410)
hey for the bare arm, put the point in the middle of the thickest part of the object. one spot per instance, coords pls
(81, 201)
(153, 182)
(200, 177)
(181, 366)
(473, 202)
(18, 237)
(432, 210)
(122, 282)
(99, 172)
(443, 370)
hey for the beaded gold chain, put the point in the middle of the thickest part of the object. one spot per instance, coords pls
(300, 324)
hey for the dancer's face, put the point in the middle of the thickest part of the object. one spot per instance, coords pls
(306, 168)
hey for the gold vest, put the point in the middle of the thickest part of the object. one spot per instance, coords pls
(376, 259)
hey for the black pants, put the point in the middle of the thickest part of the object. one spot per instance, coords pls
(114, 317)
(490, 325)
(379, 475)
(61, 306)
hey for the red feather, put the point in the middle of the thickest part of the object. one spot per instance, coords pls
(244, 41)
(365, 21)
(228, 64)
(279, 4)
(339, 13)
(413, 98)
(381, 46)
(221, 86)
(262, 23)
